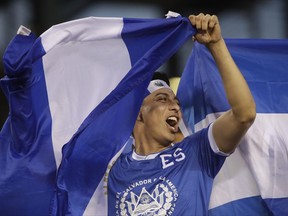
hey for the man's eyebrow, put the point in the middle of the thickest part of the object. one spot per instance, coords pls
(166, 94)
(161, 93)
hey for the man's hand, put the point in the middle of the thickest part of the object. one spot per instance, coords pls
(208, 28)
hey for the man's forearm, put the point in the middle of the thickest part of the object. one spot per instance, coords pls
(236, 88)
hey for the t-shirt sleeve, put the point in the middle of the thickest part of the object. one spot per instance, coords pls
(213, 144)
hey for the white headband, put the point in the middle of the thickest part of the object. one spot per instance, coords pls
(157, 84)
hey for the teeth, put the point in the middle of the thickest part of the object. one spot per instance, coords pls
(172, 118)
(172, 121)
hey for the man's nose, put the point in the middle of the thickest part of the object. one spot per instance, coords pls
(174, 106)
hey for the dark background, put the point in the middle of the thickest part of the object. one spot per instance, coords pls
(239, 19)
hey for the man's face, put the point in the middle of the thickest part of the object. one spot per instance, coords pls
(161, 113)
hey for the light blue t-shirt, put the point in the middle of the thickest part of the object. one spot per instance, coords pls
(178, 181)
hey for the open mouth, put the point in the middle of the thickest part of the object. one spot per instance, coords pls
(172, 121)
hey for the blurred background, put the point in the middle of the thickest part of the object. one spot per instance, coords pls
(239, 19)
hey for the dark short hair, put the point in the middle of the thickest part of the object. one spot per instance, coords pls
(161, 76)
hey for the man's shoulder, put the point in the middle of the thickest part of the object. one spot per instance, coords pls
(196, 136)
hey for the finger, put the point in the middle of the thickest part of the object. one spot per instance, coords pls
(198, 21)
(205, 22)
(192, 19)
(213, 21)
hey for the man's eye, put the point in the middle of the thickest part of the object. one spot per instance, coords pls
(162, 99)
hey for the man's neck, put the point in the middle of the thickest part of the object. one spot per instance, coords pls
(147, 147)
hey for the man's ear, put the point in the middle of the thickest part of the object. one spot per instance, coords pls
(140, 117)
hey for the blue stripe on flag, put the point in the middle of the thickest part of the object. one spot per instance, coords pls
(257, 59)
(243, 207)
(137, 42)
(278, 205)
(27, 164)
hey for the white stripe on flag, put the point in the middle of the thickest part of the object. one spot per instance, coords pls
(233, 182)
(259, 164)
(266, 151)
(78, 73)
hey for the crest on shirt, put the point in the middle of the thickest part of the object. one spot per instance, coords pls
(159, 201)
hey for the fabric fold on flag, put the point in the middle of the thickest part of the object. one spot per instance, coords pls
(253, 179)
(78, 89)
(27, 164)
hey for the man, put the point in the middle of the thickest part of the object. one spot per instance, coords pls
(161, 177)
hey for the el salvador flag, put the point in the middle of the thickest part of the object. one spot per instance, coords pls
(254, 179)
(74, 94)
